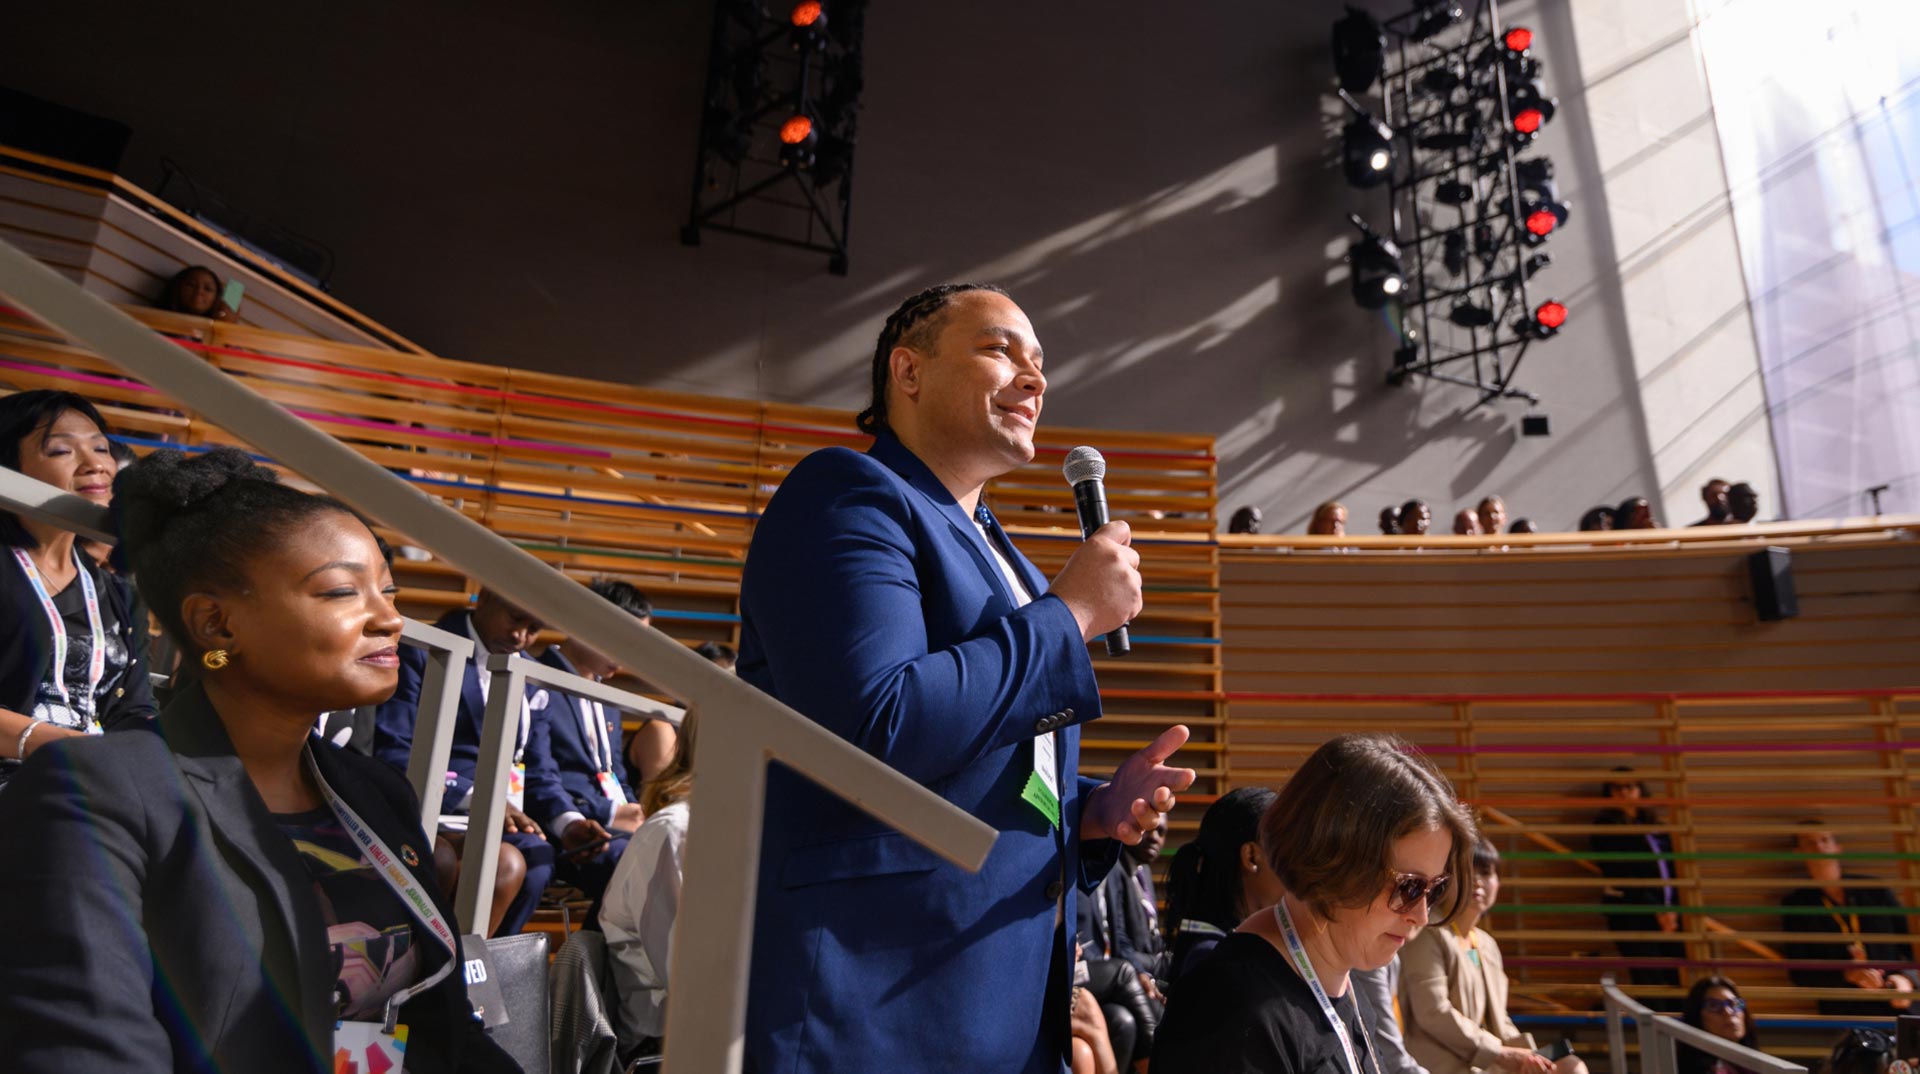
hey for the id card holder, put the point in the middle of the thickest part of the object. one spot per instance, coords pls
(610, 787)
(1042, 790)
(367, 1048)
(517, 785)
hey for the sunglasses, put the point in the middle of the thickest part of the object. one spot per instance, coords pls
(1409, 888)
(1725, 1006)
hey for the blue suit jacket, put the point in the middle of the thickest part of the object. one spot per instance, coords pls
(573, 754)
(393, 732)
(870, 604)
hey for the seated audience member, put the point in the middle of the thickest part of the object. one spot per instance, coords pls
(718, 653)
(1743, 503)
(73, 638)
(1658, 899)
(1092, 1047)
(1596, 518)
(1122, 950)
(1415, 518)
(1634, 513)
(1466, 523)
(1377, 992)
(1367, 837)
(196, 290)
(1492, 514)
(1714, 1004)
(534, 791)
(202, 893)
(582, 736)
(1860, 1051)
(1453, 991)
(1523, 525)
(1329, 520)
(1714, 495)
(1850, 911)
(1245, 520)
(1219, 879)
(651, 745)
(1389, 521)
(643, 898)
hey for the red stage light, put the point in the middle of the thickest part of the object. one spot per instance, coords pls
(806, 13)
(1540, 221)
(796, 130)
(1518, 39)
(1550, 314)
(1528, 120)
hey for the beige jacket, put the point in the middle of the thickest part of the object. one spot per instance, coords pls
(1455, 1011)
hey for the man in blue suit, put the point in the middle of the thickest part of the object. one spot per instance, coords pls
(584, 736)
(495, 627)
(881, 599)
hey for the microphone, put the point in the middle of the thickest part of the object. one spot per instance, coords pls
(1086, 471)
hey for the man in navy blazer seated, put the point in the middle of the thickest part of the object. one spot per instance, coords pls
(495, 627)
(881, 599)
(584, 740)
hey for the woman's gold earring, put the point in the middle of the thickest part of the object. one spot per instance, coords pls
(215, 659)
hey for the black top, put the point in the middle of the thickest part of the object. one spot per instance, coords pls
(1861, 904)
(369, 930)
(1245, 1009)
(1640, 869)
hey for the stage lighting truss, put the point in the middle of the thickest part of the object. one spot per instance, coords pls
(781, 117)
(1470, 204)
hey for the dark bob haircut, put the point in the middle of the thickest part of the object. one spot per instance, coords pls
(24, 415)
(192, 524)
(1331, 832)
(915, 324)
(1203, 883)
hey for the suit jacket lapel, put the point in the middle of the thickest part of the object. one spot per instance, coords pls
(897, 458)
(295, 957)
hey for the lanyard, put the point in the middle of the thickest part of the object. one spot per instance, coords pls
(594, 719)
(403, 883)
(1852, 920)
(97, 666)
(1298, 952)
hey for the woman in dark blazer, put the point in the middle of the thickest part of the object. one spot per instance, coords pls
(222, 891)
(54, 599)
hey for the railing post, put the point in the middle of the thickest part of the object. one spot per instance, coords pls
(480, 857)
(1616, 1034)
(433, 732)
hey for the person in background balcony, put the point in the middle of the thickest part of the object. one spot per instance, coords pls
(1219, 878)
(1492, 513)
(1850, 910)
(1389, 521)
(1658, 899)
(1368, 839)
(1466, 523)
(1329, 520)
(73, 643)
(1743, 504)
(1634, 513)
(1714, 495)
(643, 898)
(1453, 992)
(1596, 518)
(1714, 1004)
(1245, 520)
(1415, 518)
(1523, 525)
(216, 890)
(195, 290)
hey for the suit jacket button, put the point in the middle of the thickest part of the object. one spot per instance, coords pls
(1055, 890)
(1045, 725)
(1068, 714)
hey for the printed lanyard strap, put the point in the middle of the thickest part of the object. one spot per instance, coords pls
(403, 883)
(596, 720)
(1298, 952)
(97, 666)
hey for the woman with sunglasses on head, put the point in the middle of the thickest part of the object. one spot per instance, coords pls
(1453, 992)
(1365, 839)
(224, 891)
(1714, 1004)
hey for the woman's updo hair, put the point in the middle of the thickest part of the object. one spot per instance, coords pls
(1203, 884)
(1331, 832)
(190, 524)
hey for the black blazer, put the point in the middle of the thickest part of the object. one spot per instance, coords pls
(26, 652)
(160, 920)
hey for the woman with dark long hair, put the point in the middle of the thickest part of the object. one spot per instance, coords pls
(1714, 1004)
(1220, 878)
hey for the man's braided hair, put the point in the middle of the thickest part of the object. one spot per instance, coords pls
(914, 324)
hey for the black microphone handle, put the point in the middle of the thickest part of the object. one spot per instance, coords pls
(1090, 500)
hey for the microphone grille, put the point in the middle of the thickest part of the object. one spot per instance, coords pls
(1084, 464)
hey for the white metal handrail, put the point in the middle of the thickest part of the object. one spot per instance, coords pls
(1659, 1033)
(714, 929)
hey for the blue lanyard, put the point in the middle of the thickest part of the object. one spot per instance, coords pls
(97, 665)
(1298, 952)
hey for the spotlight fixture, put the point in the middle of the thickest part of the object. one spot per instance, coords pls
(1375, 263)
(809, 21)
(797, 141)
(1366, 150)
(1542, 211)
(1529, 105)
(1517, 39)
(1545, 321)
(1540, 222)
(1452, 192)
(1359, 51)
(1434, 18)
(1453, 252)
(1467, 315)
(1441, 81)
(1535, 425)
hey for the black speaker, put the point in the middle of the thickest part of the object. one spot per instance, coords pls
(1773, 596)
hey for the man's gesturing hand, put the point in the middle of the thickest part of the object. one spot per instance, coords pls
(1101, 583)
(1127, 805)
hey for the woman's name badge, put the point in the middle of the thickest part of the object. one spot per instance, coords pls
(367, 1048)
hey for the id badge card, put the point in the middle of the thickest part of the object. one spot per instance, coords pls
(517, 785)
(610, 787)
(367, 1048)
(1042, 791)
